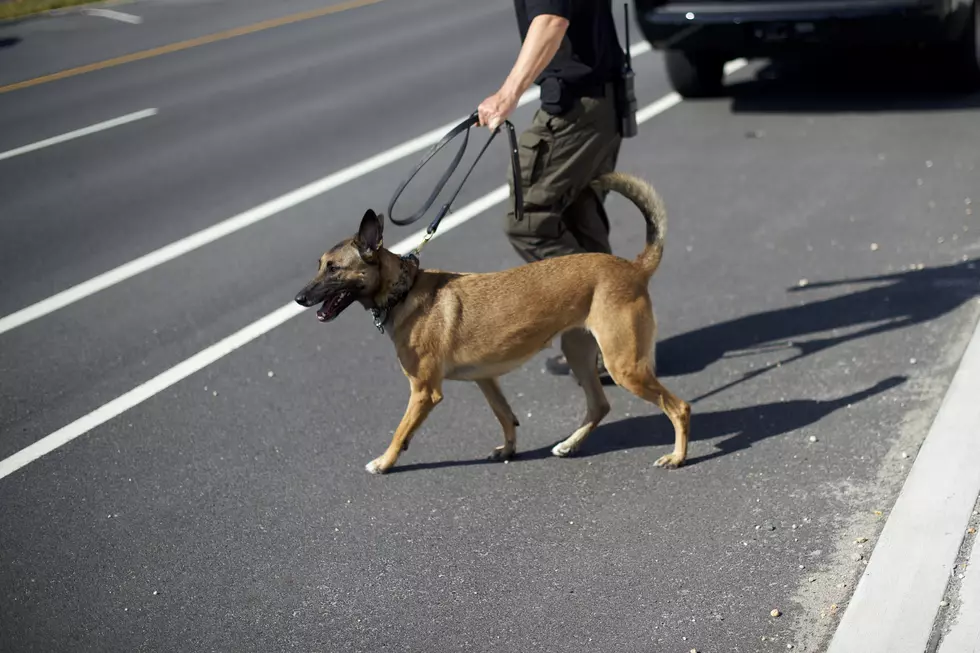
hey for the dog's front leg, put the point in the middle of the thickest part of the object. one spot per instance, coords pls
(508, 421)
(424, 398)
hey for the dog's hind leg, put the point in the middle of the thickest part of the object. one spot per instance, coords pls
(625, 332)
(425, 396)
(630, 368)
(581, 352)
(638, 378)
(508, 421)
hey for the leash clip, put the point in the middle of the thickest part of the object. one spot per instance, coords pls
(425, 239)
(380, 317)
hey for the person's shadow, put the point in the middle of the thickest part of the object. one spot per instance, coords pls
(746, 426)
(898, 301)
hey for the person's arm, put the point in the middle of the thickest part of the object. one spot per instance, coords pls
(544, 35)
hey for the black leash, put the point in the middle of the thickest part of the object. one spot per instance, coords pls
(464, 128)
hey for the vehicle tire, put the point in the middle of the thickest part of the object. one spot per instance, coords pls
(694, 74)
(965, 54)
(971, 48)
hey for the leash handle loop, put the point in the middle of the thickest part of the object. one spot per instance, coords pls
(462, 127)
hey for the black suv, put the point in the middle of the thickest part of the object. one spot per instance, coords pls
(699, 36)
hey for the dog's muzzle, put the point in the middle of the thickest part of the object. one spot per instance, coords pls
(333, 302)
(303, 298)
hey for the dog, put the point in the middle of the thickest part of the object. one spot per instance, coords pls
(477, 327)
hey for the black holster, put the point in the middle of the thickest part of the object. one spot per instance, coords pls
(556, 97)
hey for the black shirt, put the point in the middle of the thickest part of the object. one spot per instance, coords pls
(589, 55)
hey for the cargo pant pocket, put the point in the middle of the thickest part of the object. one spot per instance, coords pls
(533, 151)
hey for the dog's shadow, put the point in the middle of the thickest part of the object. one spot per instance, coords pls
(897, 301)
(746, 426)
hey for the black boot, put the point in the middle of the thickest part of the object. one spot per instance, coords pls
(558, 366)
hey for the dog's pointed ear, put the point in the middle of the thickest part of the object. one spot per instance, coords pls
(370, 233)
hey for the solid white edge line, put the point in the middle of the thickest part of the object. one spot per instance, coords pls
(237, 222)
(78, 133)
(224, 347)
(111, 14)
(897, 598)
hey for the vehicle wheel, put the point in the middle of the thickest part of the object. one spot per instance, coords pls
(966, 53)
(971, 47)
(694, 75)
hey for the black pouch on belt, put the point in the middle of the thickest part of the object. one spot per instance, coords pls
(626, 104)
(625, 93)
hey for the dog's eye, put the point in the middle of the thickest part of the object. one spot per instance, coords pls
(330, 267)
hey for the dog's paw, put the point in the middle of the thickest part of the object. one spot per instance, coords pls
(375, 467)
(562, 450)
(502, 453)
(670, 461)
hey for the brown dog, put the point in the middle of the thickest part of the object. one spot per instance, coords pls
(477, 327)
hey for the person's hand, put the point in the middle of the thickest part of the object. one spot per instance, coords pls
(496, 109)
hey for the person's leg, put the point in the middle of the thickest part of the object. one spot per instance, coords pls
(559, 157)
(586, 217)
(587, 221)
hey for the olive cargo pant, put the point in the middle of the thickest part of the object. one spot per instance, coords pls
(560, 156)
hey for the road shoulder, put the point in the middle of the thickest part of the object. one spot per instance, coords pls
(897, 600)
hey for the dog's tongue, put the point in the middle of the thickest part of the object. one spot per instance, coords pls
(329, 309)
(324, 313)
(326, 310)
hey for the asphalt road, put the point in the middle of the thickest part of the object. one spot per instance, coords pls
(820, 280)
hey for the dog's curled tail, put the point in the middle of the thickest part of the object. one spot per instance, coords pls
(650, 204)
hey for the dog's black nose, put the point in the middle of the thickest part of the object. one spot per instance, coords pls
(302, 299)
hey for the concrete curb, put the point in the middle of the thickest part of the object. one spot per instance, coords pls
(962, 627)
(896, 602)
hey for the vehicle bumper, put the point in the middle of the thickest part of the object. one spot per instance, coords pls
(760, 28)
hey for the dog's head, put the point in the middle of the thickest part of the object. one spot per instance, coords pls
(348, 272)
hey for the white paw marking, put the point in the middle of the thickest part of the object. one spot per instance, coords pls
(561, 450)
(373, 467)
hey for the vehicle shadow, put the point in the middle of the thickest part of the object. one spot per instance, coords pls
(897, 301)
(9, 41)
(746, 426)
(867, 84)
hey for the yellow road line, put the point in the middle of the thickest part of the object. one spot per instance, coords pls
(190, 43)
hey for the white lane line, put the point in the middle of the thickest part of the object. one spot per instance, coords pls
(216, 351)
(224, 347)
(671, 99)
(114, 15)
(636, 49)
(236, 223)
(78, 133)
(734, 66)
(897, 599)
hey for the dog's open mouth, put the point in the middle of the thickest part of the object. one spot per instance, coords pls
(333, 306)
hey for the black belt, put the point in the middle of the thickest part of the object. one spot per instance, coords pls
(558, 95)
